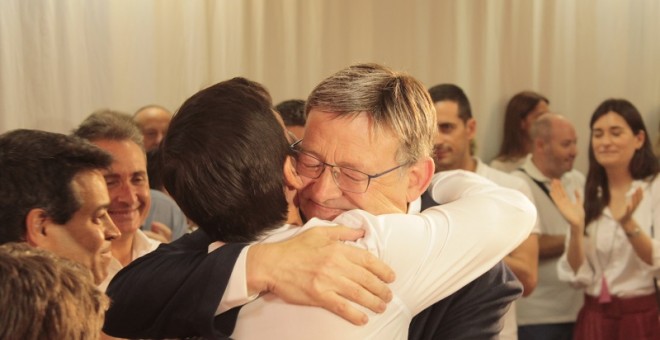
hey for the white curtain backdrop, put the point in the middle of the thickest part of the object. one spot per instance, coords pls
(62, 59)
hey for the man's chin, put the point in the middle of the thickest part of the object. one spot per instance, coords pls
(314, 210)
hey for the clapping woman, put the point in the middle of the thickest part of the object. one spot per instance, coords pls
(612, 252)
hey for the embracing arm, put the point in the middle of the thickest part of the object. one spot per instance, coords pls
(314, 269)
(524, 261)
(551, 246)
(465, 237)
(170, 291)
(175, 290)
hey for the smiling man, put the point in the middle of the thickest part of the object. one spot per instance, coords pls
(127, 181)
(53, 196)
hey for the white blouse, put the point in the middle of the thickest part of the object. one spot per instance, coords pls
(608, 251)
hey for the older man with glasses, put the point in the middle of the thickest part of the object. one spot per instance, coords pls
(370, 118)
(347, 179)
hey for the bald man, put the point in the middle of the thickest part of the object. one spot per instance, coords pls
(153, 121)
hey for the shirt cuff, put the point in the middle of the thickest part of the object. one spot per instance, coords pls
(236, 292)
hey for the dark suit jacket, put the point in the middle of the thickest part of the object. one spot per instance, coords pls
(475, 311)
(175, 290)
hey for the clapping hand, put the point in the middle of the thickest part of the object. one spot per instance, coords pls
(573, 212)
(631, 207)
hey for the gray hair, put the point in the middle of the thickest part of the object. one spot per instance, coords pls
(395, 101)
(109, 125)
(542, 126)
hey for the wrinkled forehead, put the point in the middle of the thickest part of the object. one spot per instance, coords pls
(127, 156)
(353, 136)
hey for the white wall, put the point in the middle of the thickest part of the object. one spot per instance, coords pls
(62, 59)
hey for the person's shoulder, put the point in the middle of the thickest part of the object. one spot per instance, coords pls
(575, 176)
(654, 183)
(506, 165)
(497, 163)
(504, 179)
(160, 197)
(143, 244)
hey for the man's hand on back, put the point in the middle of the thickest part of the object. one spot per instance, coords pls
(316, 269)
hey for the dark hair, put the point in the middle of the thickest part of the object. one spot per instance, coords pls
(292, 112)
(514, 139)
(642, 165)
(154, 170)
(36, 171)
(453, 93)
(110, 125)
(222, 161)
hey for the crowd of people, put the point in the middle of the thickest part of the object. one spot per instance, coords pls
(361, 212)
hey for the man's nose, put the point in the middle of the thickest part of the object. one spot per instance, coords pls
(325, 187)
(110, 230)
(159, 138)
(127, 194)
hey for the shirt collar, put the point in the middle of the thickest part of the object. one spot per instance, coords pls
(415, 206)
(530, 168)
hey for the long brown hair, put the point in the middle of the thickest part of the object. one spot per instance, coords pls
(642, 165)
(518, 108)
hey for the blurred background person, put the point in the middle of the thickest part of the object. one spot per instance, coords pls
(293, 114)
(521, 111)
(153, 121)
(127, 181)
(612, 250)
(549, 313)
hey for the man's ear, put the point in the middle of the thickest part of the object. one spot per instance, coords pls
(419, 178)
(291, 178)
(36, 225)
(539, 143)
(471, 127)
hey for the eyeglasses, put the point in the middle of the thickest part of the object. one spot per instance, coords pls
(347, 179)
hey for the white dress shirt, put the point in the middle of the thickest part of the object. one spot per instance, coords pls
(609, 252)
(433, 254)
(142, 245)
(507, 166)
